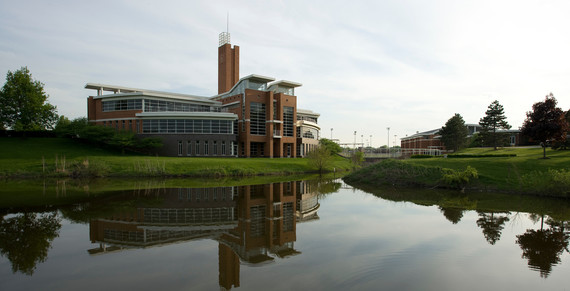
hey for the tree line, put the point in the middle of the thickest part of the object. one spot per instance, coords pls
(546, 124)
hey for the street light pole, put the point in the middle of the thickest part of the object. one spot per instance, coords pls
(388, 141)
(331, 133)
(354, 144)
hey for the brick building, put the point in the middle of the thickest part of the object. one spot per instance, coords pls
(253, 116)
(429, 142)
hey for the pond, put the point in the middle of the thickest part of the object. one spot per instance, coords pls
(305, 235)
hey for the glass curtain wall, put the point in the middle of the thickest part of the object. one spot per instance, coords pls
(257, 118)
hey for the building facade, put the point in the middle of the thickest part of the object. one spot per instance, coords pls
(255, 116)
(429, 142)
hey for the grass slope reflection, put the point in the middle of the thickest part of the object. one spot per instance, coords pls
(542, 248)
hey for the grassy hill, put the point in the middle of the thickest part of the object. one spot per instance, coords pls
(525, 172)
(32, 157)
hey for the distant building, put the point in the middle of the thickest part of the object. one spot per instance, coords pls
(254, 116)
(429, 142)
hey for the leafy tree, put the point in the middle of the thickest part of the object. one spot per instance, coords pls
(563, 144)
(23, 103)
(66, 128)
(545, 123)
(454, 133)
(357, 158)
(149, 144)
(320, 158)
(97, 134)
(123, 140)
(494, 120)
(333, 147)
(26, 238)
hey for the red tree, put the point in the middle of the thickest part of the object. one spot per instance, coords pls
(545, 123)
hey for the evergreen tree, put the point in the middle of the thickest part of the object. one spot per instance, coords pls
(454, 133)
(494, 120)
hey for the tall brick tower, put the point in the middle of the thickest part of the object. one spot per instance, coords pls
(228, 64)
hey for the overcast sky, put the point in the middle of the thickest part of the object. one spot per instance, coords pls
(364, 65)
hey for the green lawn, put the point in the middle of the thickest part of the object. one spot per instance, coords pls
(60, 156)
(503, 172)
(527, 172)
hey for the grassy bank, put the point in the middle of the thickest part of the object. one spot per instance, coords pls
(492, 202)
(57, 157)
(524, 173)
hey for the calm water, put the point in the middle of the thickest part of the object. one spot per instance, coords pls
(305, 235)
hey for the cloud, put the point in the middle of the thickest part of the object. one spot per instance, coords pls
(364, 66)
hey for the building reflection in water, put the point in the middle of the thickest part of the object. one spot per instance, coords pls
(253, 224)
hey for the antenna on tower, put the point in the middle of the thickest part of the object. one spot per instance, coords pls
(225, 36)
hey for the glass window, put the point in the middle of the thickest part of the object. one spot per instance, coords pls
(288, 121)
(187, 126)
(173, 106)
(120, 105)
(206, 149)
(257, 118)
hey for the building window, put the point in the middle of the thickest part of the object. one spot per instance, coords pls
(120, 105)
(188, 148)
(234, 149)
(306, 132)
(206, 149)
(253, 149)
(275, 110)
(171, 106)
(257, 118)
(287, 121)
(130, 124)
(223, 148)
(179, 148)
(138, 125)
(187, 126)
(197, 148)
(215, 148)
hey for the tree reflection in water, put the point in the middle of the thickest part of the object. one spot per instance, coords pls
(452, 214)
(26, 238)
(492, 225)
(542, 248)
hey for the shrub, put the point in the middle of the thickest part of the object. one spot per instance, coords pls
(421, 156)
(458, 179)
(552, 182)
(482, 156)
